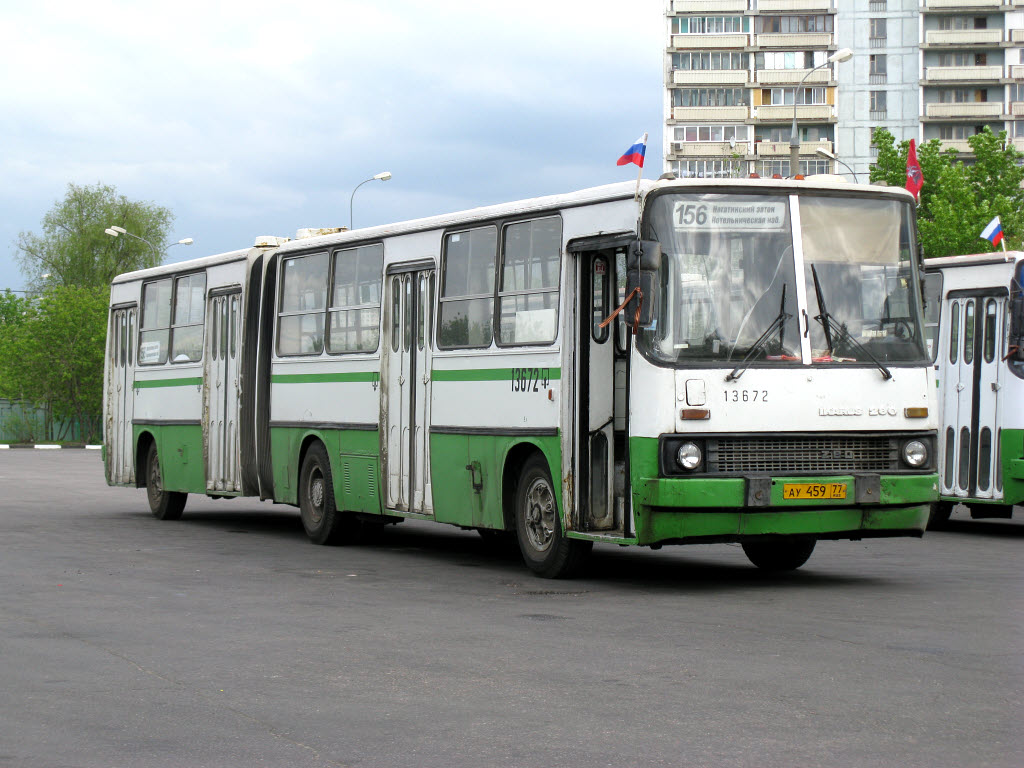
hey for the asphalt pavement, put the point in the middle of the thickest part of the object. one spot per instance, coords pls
(226, 639)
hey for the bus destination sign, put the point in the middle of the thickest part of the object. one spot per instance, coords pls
(752, 216)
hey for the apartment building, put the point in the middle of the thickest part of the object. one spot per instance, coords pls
(738, 70)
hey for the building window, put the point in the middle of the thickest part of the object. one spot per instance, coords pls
(962, 95)
(789, 59)
(784, 96)
(709, 97)
(710, 133)
(709, 25)
(793, 24)
(702, 60)
(770, 168)
(877, 68)
(962, 23)
(876, 34)
(710, 169)
(876, 5)
(878, 105)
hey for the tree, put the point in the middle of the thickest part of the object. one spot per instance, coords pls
(73, 249)
(54, 356)
(957, 199)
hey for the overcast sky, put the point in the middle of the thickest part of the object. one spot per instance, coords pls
(258, 118)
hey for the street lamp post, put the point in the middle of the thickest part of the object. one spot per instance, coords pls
(115, 231)
(382, 176)
(831, 156)
(843, 54)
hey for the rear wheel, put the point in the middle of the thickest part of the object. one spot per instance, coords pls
(165, 505)
(323, 522)
(545, 549)
(780, 554)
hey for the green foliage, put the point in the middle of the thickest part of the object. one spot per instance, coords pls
(73, 248)
(55, 354)
(957, 199)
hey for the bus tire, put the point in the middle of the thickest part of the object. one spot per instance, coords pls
(545, 549)
(938, 515)
(779, 554)
(323, 522)
(165, 505)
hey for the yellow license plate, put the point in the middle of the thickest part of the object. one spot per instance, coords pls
(814, 490)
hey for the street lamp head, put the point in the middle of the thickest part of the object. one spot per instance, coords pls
(111, 231)
(119, 230)
(843, 54)
(185, 241)
(383, 176)
(824, 153)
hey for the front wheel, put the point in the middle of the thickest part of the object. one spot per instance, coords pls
(545, 549)
(165, 505)
(938, 515)
(780, 554)
(323, 522)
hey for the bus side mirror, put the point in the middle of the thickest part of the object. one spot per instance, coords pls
(642, 263)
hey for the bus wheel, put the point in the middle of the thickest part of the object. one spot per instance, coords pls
(939, 514)
(323, 522)
(165, 505)
(780, 554)
(546, 551)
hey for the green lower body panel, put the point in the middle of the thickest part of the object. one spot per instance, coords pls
(355, 465)
(180, 450)
(467, 474)
(1011, 453)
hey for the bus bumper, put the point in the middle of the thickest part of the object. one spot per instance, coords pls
(704, 510)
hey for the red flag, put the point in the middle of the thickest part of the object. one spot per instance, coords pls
(915, 179)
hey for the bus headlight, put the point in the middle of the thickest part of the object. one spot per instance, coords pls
(915, 453)
(689, 456)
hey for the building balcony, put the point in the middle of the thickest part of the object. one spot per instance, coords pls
(707, 149)
(803, 40)
(1018, 143)
(1017, 71)
(770, 6)
(972, 109)
(709, 6)
(703, 42)
(710, 114)
(987, 38)
(792, 76)
(1017, 35)
(967, 5)
(1017, 108)
(781, 148)
(785, 112)
(960, 145)
(710, 76)
(963, 74)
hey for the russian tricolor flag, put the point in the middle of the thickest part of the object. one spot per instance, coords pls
(635, 154)
(993, 232)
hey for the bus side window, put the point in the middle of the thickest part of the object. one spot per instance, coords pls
(528, 293)
(187, 323)
(969, 332)
(599, 298)
(354, 313)
(932, 310)
(467, 289)
(155, 327)
(300, 321)
(396, 312)
(621, 332)
(954, 332)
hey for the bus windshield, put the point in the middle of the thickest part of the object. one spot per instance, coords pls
(729, 286)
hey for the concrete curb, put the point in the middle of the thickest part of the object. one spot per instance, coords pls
(47, 447)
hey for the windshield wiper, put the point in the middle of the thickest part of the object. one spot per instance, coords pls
(828, 324)
(779, 323)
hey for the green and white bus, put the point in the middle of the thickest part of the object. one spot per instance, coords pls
(768, 383)
(975, 327)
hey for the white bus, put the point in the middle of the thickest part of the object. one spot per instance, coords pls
(976, 327)
(777, 389)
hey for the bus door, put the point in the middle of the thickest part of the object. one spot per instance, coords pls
(970, 379)
(599, 409)
(223, 349)
(121, 395)
(405, 397)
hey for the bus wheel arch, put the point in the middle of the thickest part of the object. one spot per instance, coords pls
(141, 454)
(323, 522)
(545, 548)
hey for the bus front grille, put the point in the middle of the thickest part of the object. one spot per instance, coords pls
(830, 454)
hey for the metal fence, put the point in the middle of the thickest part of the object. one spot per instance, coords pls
(22, 422)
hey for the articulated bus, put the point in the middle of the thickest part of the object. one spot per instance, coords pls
(975, 328)
(766, 383)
